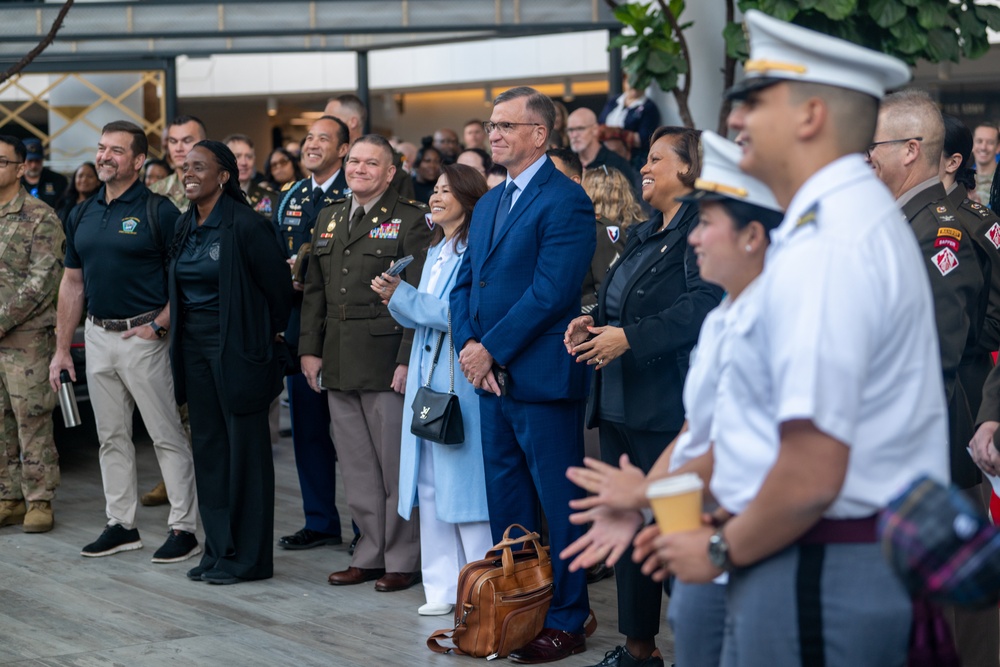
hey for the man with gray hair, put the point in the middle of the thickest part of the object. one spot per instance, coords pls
(530, 245)
(905, 154)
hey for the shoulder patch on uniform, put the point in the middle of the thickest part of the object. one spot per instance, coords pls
(993, 234)
(950, 231)
(808, 217)
(287, 186)
(945, 261)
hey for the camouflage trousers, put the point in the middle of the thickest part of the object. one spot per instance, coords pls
(29, 463)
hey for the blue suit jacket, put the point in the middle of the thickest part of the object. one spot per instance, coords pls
(516, 293)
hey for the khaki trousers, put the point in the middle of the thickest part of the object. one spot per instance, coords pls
(366, 432)
(123, 374)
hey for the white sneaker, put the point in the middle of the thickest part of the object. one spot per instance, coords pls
(435, 609)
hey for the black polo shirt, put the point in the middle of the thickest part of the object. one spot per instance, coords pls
(124, 269)
(197, 268)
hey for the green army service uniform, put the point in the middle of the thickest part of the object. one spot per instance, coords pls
(984, 231)
(345, 323)
(343, 320)
(172, 188)
(610, 245)
(32, 246)
(960, 296)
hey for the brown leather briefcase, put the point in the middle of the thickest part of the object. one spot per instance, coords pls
(502, 599)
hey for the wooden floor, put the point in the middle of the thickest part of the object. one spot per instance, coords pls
(58, 608)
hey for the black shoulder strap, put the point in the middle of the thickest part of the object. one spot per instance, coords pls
(74, 220)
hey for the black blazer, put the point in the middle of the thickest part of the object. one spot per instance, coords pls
(255, 296)
(663, 306)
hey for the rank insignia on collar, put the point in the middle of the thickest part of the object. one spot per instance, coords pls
(375, 219)
(941, 209)
(383, 209)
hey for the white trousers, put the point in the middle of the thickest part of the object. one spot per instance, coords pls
(123, 374)
(444, 547)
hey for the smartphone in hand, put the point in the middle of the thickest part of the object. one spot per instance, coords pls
(399, 265)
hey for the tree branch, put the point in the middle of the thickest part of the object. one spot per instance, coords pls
(728, 77)
(42, 45)
(682, 94)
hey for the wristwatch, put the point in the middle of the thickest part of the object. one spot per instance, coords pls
(718, 551)
(157, 329)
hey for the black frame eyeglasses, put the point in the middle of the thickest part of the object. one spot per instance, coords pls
(504, 127)
(4, 162)
(871, 147)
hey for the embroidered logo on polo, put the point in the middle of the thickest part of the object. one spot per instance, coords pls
(614, 233)
(129, 225)
(387, 230)
(945, 261)
(213, 251)
(993, 234)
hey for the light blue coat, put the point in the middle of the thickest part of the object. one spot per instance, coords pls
(459, 479)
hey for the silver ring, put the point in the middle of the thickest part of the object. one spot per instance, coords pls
(600, 361)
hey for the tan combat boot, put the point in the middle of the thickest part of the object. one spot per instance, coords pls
(39, 517)
(11, 512)
(158, 496)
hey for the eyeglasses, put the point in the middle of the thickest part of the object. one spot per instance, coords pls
(577, 130)
(504, 128)
(871, 147)
(4, 162)
(280, 163)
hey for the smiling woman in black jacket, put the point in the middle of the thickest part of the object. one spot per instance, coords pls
(230, 294)
(649, 311)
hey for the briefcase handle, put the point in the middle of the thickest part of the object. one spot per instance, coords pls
(507, 555)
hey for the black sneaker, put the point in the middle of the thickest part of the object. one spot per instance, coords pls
(180, 545)
(620, 657)
(114, 539)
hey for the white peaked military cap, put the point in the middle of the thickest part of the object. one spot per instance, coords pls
(781, 51)
(721, 177)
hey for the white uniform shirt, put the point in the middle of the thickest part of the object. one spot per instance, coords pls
(847, 338)
(744, 433)
(700, 387)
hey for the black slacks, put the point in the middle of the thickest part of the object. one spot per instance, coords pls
(638, 596)
(233, 467)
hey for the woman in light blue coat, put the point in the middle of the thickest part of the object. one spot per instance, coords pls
(447, 481)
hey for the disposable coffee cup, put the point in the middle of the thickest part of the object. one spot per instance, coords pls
(676, 502)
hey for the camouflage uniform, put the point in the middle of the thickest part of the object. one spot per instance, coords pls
(172, 188)
(32, 245)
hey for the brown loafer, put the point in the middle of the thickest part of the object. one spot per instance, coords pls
(550, 645)
(396, 581)
(353, 575)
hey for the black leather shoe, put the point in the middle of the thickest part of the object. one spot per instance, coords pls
(599, 572)
(550, 645)
(220, 578)
(194, 574)
(307, 539)
(620, 657)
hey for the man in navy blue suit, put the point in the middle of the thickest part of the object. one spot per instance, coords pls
(530, 244)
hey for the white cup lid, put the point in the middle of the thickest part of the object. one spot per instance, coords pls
(672, 486)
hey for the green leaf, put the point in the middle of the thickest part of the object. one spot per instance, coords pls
(909, 38)
(659, 62)
(943, 45)
(975, 47)
(990, 14)
(619, 41)
(785, 10)
(838, 10)
(667, 82)
(737, 46)
(886, 13)
(931, 15)
(917, 3)
(970, 27)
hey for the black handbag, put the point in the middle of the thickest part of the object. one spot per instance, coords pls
(437, 416)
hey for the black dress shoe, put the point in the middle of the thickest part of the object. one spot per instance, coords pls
(220, 578)
(550, 645)
(307, 539)
(354, 543)
(194, 574)
(599, 572)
